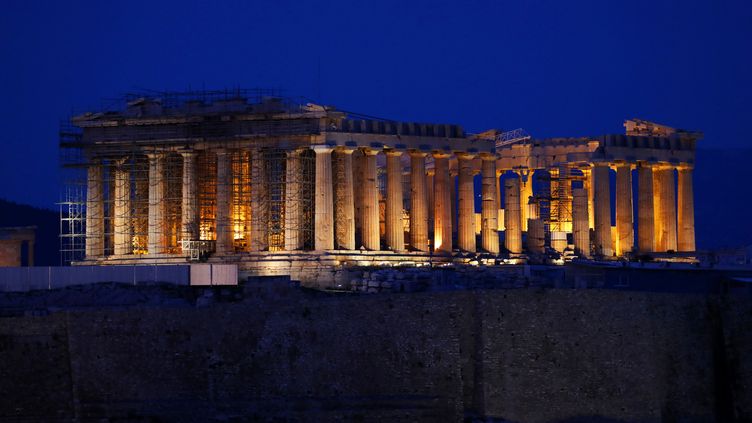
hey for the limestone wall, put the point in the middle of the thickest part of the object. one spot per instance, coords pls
(521, 355)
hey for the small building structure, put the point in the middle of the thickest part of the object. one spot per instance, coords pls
(13, 242)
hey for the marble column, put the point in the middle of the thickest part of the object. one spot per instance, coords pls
(580, 222)
(489, 230)
(526, 191)
(94, 211)
(669, 193)
(395, 230)
(371, 235)
(536, 236)
(624, 220)
(587, 184)
(664, 208)
(224, 187)
(429, 194)
(602, 200)
(189, 217)
(259, 202)
(246, 194)
(513, 232)
(123, 236)
(453, 204)
(156, 221)
(324, 204)
(560, 207)
(293, 238)
(442, 219)
(686, 233)
(344, 201)
(358, 159)
(466, 203)
(418, 202)
(499, 192)
(645, 209)
(141, 208)
(565, 199)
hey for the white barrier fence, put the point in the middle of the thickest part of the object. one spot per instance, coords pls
(21, 279)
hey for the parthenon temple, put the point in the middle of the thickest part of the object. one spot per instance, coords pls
(275, 185)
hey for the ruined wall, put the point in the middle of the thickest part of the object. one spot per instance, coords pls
(521, 355)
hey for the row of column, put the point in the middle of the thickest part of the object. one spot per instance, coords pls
(189, 225)
(665, 222)
(661, 226)
(328, 214)
(365, 205)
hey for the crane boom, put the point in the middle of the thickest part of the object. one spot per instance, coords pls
(511, 137)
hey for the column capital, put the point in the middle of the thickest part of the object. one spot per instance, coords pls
(94, 160)
(370, 151)
(487, 156)
(393, 153)
(417, 153)
(119, 163)
(344, 150)
(188, 154)
(644, 164)
(664, 166)
(221, 151)
(155, 154)
(322, 149)
(441, 155)
(295, 152)
(621, 163)
(462, 155)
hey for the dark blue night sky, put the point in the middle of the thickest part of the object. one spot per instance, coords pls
(554, 68)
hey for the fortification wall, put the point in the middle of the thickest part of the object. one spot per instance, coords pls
(521, 355)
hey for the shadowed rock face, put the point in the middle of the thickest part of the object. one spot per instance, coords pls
(267, 351)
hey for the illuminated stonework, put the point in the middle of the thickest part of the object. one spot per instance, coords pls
(274, 186)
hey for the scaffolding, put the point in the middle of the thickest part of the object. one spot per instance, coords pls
(542, 198)
(240, 198)
(275, 161)
(381, 187)
(125, 202)
(306, 192)
(139, 193)
(339, 177)
(173, 180)
(206, 175)
(137, 162)
(560, 217)
(406, 198)
(72, 233)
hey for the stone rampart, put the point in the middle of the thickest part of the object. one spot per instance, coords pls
(532, 355)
